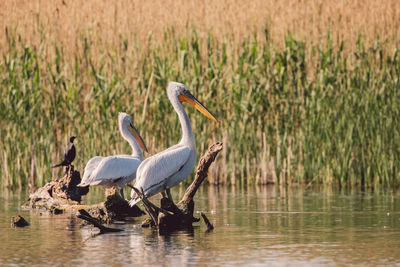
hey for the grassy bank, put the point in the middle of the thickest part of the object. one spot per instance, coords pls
(297, 113)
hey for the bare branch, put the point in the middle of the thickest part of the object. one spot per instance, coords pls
(210, 227)
(202, 171)
(84, 215)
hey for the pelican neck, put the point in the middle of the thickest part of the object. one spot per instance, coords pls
(136, 151)
(187, 133)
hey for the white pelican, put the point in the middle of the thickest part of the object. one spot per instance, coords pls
(170, 167)
(116, 170)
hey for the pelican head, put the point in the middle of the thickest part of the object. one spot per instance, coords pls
(179, 91)
(125, 122)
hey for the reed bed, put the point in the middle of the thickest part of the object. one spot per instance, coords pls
(64, 21)
(323, 109)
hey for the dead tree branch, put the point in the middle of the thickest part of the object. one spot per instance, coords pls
(84, 215)
(170, 216)
(202, 171)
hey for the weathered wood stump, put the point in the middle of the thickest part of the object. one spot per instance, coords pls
(67, 187)
(170, 217)
(56, 194)
(64, 195)
(117, 208)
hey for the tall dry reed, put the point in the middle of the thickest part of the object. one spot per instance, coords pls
(307, 91)
(65, 21)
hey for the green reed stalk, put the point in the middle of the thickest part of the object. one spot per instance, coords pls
(291, 115)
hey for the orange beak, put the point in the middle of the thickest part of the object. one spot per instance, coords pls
(189, 98)
(138, 138)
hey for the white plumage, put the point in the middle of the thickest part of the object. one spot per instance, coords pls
(169, 162)
(90, 167)
(118, 170)
(170, 167)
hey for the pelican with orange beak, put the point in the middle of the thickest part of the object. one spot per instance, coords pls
(118, 170)
(160, 172)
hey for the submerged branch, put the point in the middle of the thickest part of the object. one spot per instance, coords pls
(84, 215)
(210, 227)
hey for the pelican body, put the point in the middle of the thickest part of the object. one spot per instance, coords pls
(118, 170)
(170, 167)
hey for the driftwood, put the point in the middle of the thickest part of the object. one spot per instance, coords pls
(53, 195)
(118, 208)
(64, 195)
(170, 217)
(84, 215)
(19, 221)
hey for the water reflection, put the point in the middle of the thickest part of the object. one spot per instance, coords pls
(253, 226)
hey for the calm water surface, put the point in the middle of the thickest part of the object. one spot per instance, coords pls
(253, 227)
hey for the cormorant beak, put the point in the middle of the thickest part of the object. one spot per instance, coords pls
(138, 138)
(186, 96)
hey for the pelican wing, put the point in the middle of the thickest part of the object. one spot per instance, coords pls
(89, 169)
(113, 168)
(155, 170)
(92, 164)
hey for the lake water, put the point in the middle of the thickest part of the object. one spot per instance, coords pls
(254, 226)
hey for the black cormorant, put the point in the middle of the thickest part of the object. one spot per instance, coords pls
(69, 154)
